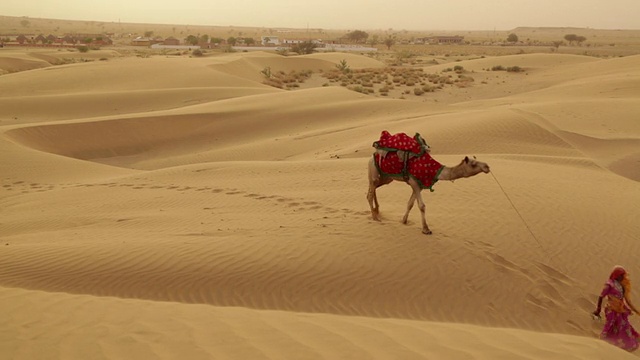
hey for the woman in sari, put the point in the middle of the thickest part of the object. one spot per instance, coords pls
(617, 328)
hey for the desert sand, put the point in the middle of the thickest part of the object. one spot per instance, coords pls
(177, 207)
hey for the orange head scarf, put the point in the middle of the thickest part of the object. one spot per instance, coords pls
(625, 282)
(616, 272)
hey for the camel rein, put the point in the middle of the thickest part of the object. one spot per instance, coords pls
(529, 229)
(521, 217)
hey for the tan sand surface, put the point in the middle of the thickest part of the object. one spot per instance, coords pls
(177, 207)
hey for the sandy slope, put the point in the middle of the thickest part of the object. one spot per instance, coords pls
(99, 327)
(214, 216)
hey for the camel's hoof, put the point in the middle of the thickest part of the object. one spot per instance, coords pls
(426, 231)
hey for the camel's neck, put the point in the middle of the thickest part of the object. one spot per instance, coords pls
(451, 173)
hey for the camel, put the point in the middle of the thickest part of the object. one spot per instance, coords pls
(468, 167)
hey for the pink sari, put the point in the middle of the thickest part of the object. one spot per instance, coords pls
(617, 328)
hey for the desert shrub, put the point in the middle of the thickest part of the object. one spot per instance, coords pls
(458, 68)
(498, 68)
(305, 47)
(274, 82)
(343, 67)
(331, 76)
(197, 53)
(83, 49)
(515, 69)
(441, 80)
(289, 79)
(267, 72)
(428, 88)
(418, 91)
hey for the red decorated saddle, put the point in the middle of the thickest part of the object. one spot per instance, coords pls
(400, 155)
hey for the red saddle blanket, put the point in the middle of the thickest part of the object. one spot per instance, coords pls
(422, 167)
(400, 141)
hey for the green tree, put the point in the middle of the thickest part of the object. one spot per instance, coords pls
(305, 47)
(191, 40)
(390, 41)
(512, 38)
(249, 41)
(357, 36)
(580, 39)
(374, 40)
(204, 38)
(232, 41)
(148, 34)
(571, 38)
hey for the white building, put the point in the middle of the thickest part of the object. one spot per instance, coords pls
(270, 40)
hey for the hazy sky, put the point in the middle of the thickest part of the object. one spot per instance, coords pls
(344, 14)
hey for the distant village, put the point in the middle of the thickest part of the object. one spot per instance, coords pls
(67, 40)
(192, 42)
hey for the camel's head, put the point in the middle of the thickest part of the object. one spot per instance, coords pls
(473, 167)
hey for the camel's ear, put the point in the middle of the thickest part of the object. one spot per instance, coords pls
(466, 159)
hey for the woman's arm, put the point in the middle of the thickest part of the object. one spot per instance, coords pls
(605, 291)
(627, 298)
(598, 308)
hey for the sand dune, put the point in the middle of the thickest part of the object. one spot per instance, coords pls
(203, 214)
(142, 329)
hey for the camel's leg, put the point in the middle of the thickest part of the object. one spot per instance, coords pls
(375, 181)
(418, 191)
(372, 198)
(416, 195)
(412, 200)
(373, 201)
